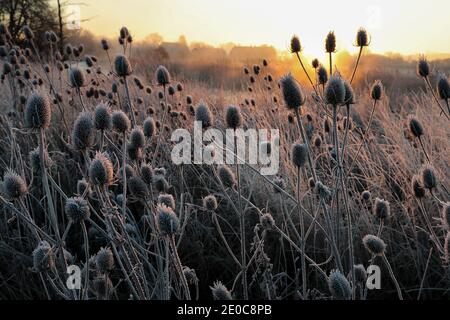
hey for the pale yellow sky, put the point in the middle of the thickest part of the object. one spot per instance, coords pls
(404, 26)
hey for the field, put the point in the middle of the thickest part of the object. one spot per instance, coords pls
(89, 184)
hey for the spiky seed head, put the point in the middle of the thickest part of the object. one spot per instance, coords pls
(374, 245)
(147, 174)
(38, 111)
(415, 126)
(120, 121)
(168, 222)
(322, 75)
(296, 47)
(417, 187)
(446, 216)
(204, 115)
(14, 186)
(105, 45)
(77, 78)
(443, 87)
(315, 63)
(162, 76)
(267, 221)
(233, 117)
(360, 274)
(77, 209)
(101, 170)
(82, 186)
(280, 183)
(167, 200)
(160, 183)
(102, 117)
(124, 33)
(330, 42)
(220, 292)
(104, 260)
(339, 286)
(138, 188)
(382, 209)
(323, 191)
(362, 39)
(102, 287)
(43, 257)
(376, 92)
(83, 132)
(227, 176)
(429, 179)
(137, 138)
(366, 196)
(210, 203)
(299, 154)
(7, 68)
(35, 159)
(123, 66)
(29, 35)
(160, 172)
(335, 91)
(423, 67)
(349, 94)
(149, 127)
(292, 92)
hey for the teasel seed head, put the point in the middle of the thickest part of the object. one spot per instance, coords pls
(38, 111)
(77, 78)
(104, 260)
(138, 188)
(167, 200)
(362, 39)
(299, 154)
(227, 176)
(101, 170)
(160, 183)
(105, 45)
(417, 187)
(366, 196)
(120, 121)
(83, 132)
(204, 115)
(315, 63)
(292, 92)
(415, 126)
(323, 191)
(443, 87)
(376, 92)
(124, 33)
(423, 67)
(82, 186)
(162, 76)
(147, 174)
(339, 286)
(335, 91)
(123, 66)
(429, 179)
(137, 138)
(330, 42)
(267, 221)
(233, 117)
(28, 33)
(77, 209)
(210, 203)
(35, 159)
(374, 245)
(149, 127)
(349, 94)
(382, 209)
(43, 257)
(102, 117)
(360, 274)
(296, 47)
(220, 292)
(167, 220)
(14, 187)
(322, 75)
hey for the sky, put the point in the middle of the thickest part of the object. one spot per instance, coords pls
(403, 26)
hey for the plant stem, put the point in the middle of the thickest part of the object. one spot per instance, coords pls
(357, 63)
(391, 273)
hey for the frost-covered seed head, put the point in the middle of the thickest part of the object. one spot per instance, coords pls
(168, 222)
(292, 92)
(77, 209)
(120, 121)
(102, 117)
(339, 286)
(374, 245)
(104, 260)
(14, 186)
(83, 132)
(162, 76)
(38, 111)
(335, 91)
(101, 170)
(220, 292)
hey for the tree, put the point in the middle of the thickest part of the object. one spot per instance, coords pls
(38, 14)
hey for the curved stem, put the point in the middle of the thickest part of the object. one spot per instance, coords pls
(357, 63)
(391, 273)
(306, 72)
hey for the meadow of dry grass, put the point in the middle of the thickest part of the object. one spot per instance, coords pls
(72, 125)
